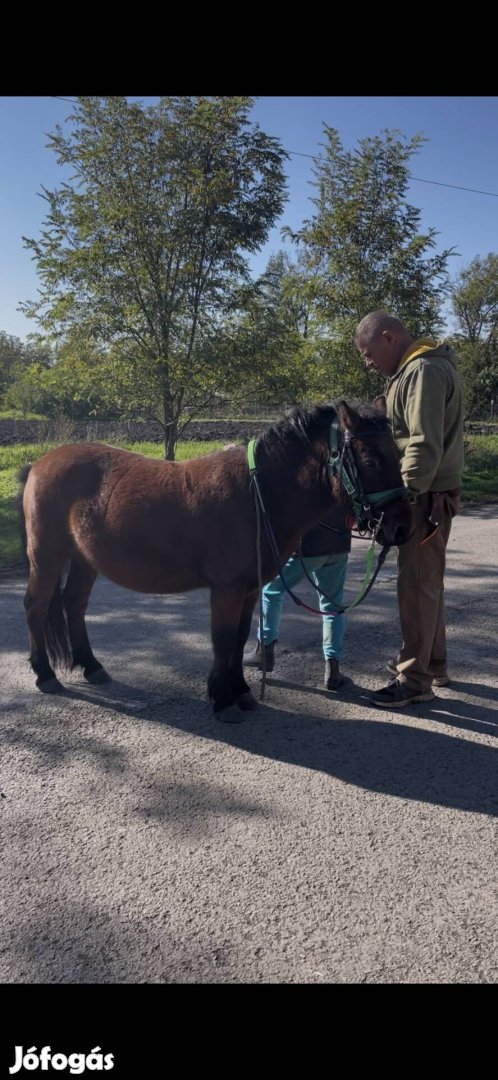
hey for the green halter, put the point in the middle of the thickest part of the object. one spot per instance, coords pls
(251, 460)
(343, 465)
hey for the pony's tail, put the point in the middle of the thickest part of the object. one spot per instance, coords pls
(22, 476)
(56, 630)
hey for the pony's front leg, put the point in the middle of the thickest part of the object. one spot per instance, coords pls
(226, 608)
(240, 689)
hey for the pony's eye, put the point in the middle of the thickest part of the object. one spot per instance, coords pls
(369, 463)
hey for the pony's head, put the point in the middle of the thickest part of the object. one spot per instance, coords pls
(356, 455)
(365, 462)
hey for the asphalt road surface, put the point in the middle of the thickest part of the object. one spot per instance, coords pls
(322, 840)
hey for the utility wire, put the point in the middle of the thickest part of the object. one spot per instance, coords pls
(419, 179)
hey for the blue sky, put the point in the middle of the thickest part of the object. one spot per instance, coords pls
(462, 149)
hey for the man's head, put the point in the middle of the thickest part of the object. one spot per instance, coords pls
(382, 339)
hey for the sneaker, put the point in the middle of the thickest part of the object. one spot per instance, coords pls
(396, 694)
(332, 679)
(437, 680)
(255, 658)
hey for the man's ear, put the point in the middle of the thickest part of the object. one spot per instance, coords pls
(380, 404)
(348, 417)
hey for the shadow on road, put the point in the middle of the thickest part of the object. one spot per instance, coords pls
(380, 754)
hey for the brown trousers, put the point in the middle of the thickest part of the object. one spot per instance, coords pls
(421, 569)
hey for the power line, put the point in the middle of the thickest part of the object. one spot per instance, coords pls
(477, 191)
(419, 179)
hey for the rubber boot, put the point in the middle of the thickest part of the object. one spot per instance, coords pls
(332, 679)
(255, 658)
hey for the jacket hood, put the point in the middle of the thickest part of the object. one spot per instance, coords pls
(443, 351)
(425, 349)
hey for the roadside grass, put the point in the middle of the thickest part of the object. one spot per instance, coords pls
(480, 478)
(14, 414)
(184, 450)
(12, 458)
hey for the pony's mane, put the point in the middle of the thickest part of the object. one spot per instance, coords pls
(300, 426)
(377, 419)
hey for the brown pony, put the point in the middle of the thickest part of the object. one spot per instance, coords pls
(162, 527)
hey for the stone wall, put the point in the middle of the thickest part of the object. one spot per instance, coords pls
(61, 431)
(34, 431)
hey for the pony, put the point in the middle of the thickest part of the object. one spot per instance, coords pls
(158, 526)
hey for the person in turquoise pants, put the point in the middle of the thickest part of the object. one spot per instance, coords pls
(325, 551)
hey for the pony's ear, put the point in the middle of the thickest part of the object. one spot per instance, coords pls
(381, 404)
(349, 418)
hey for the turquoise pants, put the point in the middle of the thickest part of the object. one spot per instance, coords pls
(329, 573)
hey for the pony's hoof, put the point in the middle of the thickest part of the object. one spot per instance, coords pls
(50, 686)
(98, 677)
(230, 715)
(246, 701)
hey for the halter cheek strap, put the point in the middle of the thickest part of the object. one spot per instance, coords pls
(251, 460)
(342, 463)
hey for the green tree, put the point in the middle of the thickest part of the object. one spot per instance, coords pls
(268, 341)
(12, 356)
(474, 296)
(143, 247)
(363, 250)
(15, 358)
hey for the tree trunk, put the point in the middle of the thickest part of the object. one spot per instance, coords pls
(170, 429)
(170, 439)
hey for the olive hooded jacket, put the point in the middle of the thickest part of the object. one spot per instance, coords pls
(424, 405)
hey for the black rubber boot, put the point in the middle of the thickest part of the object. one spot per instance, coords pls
(332, 678)
(255, 658)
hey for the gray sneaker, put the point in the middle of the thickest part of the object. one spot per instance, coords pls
(396, 694)
(437, 680)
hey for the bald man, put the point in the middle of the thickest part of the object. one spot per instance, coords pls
(423, 399)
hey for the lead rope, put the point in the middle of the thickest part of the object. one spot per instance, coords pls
(260, 586)
(365, 586)
(260, 507)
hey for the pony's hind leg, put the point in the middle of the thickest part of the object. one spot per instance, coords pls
(76, 594)
(46, 626)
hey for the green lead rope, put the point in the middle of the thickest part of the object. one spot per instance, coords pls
(366, 580)
(365, 586)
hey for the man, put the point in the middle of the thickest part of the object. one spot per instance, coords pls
(424, 405)
(325, 550)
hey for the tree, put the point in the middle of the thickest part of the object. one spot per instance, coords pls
(268, 341)
(15, 358)
(475, 305)
(142, 248)
(474, 296)
(364, 250)
(26, 393)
